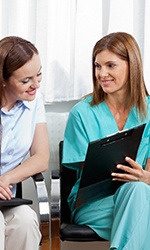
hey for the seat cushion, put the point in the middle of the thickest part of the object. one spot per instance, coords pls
(72, 232)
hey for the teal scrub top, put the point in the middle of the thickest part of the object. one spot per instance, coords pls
(87, 123)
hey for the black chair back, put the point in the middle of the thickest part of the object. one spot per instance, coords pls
(67, 180)
(19, 190)
(68, 230)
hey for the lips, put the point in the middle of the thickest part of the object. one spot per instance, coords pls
(106, 82)
(31, 92)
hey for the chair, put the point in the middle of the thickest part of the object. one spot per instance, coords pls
(62, 181)
(43, 207)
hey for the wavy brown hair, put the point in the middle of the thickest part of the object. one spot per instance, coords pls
(125, 47)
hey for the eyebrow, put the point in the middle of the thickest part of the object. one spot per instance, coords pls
(96, 63)
(108, 62)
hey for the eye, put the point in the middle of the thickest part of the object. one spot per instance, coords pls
(25, 81)
(39, 74)
(111, 65)
(97, 65)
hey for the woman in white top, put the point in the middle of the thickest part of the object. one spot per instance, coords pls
(24, 131)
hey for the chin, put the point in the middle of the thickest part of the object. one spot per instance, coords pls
(30, 98)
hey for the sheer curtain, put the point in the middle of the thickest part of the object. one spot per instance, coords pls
(65, 32)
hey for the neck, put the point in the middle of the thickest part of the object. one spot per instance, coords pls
(119, 110)
(119, 104)
(7, 105)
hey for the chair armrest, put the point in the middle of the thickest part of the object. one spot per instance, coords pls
(43, 207)
(55, 209)
(55, 194)
(42, 197)
(38, 177)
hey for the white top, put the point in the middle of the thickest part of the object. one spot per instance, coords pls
(18, 127)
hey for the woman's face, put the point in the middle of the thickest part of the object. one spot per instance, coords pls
(111, 72)
(24, 82)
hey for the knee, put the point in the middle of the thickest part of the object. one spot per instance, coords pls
(26, 217)
(2, 221)
(135, 188)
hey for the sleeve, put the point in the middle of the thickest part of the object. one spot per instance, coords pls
(148, 135)
(75, 141)
(144, 147)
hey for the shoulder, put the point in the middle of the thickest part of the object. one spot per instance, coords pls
(36, 108)
(38, 101)
(38, 97)
(148, 105)
(82, 106)
(148, 100)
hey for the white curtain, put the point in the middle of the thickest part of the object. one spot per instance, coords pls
(65, 32)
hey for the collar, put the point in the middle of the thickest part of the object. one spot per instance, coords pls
(18, 104)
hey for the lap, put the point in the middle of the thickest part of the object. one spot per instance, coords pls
(22, 213)
(99, 215)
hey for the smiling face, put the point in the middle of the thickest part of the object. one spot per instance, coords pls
(111, 72)
(24, 82)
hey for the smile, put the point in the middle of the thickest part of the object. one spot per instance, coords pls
(31, 92)
(106, 82)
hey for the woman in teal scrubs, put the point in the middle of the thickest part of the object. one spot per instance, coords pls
(119, 101)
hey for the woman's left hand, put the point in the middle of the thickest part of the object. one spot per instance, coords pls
(133, 173)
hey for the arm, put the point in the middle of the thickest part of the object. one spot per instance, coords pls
(37, 162)
(136, 173)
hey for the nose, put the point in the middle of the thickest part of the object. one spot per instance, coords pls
(35, 84)
(103, 73)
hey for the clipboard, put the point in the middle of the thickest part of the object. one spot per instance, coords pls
(101, 159)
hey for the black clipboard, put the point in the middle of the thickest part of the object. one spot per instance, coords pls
(101, 159)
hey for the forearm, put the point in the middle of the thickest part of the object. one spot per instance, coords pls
(32, 165)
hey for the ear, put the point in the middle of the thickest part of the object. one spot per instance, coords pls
(4, 84)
